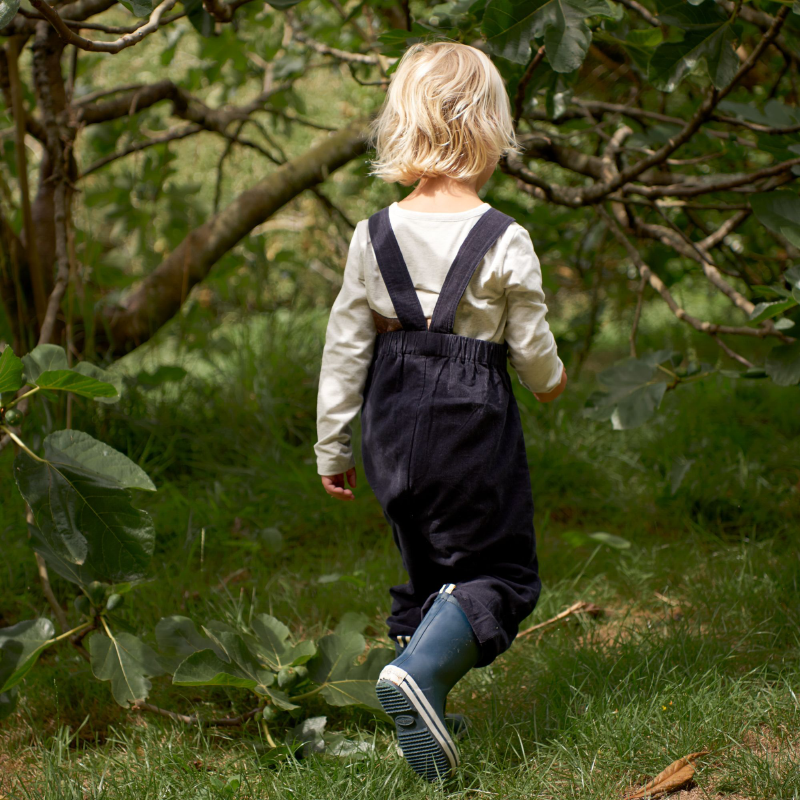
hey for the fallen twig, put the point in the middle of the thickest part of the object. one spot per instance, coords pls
(581, 607)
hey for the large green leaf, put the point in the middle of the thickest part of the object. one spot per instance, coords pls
(127, 662)
(774, 115)
(140, 8)
(235, 666)
(44, 358)
(764, 311)
(671, 62)
(510, 25)
(779, 211)
(177, 639)
(104, 376)
(634, 390)
(708, 39)
(81, 574)
(783, 364)
(97, 457)
(275, 646)
(342, 682)
(84, 517)
(20, 646)
(67, 380)
(11, 371)
(639, 44)
(8, 10)
(206, 668)
(690, 16)
(198, 17)
(46, 366)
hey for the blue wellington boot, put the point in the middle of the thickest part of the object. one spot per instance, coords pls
(413, 689)
(457, 724)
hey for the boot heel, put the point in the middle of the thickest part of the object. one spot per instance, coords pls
(428, 752)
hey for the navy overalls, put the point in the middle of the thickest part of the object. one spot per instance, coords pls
(443, 451)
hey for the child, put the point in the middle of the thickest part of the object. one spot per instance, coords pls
(439, 291)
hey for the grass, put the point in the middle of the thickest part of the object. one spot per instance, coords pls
(698, 648)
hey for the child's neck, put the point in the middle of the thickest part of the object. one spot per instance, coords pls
(443, 195)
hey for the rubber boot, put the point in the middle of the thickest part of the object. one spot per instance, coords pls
(413, 689)
(457, 724)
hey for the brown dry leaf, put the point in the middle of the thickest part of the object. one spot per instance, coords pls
(676, 776)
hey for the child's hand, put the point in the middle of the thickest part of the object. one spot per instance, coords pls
(334, 484)
(548, 397)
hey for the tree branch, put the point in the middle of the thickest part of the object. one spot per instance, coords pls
(714, 185)
(342, 55)
(660, 287)
(649, 18)
(519, 95)
(171, 135)
(158, 297)
(128, 40)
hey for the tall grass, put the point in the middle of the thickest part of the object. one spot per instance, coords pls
(698, 648)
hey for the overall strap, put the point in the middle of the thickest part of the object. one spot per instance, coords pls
(484, 233)
(395, 273)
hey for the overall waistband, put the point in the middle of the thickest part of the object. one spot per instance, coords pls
(445, 345)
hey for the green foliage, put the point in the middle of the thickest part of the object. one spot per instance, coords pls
(98, 458)
(276, 647)
(510, 25)
(125, 661)
(20, 647)
(634, 391)
(779, 211)
(201, 20)
(783, 364)
(708, 39)
(46, 367)
(340, 681)
(85, 516)
(139, 8)
(258, 658)
(178, 638)
(64, 380)
(8, 10)
(44, 358)
(11, 370)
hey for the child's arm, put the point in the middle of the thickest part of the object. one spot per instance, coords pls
(349, 342)
(531, 345)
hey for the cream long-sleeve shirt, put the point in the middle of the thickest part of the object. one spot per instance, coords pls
(503, 301)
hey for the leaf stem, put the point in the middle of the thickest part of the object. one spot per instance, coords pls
(72, 632)
(23, 396)
(105, 625)
(668, 371)
(13, 436)
(267, 735)
(306, 695)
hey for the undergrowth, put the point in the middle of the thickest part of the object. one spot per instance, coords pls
(697, 648)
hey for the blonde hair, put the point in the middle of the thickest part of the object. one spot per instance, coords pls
(446, 113)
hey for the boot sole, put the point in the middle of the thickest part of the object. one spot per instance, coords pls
(423, 738)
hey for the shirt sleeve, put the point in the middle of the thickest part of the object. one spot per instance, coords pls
(349, 342)
(531, 345)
